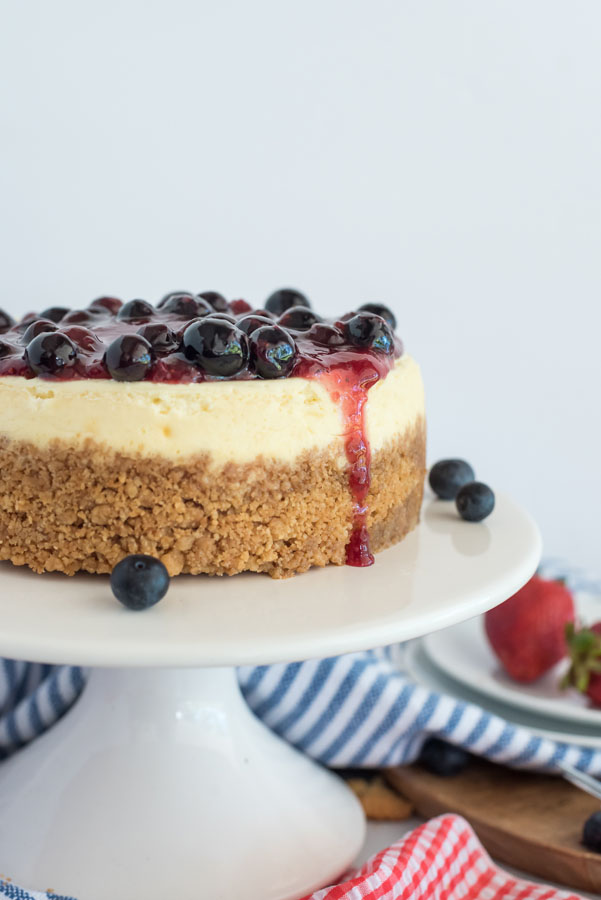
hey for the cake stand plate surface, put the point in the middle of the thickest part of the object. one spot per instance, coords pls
(160, 782)
(446, 571)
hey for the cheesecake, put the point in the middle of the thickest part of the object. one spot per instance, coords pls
(214, 436)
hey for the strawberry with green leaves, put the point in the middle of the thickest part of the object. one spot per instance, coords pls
(585, 652)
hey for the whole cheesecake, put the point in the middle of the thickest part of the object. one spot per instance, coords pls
(218, 438)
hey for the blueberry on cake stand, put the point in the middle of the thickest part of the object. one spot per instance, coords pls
(160, 782)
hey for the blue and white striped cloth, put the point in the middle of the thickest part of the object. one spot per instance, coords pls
(357, 710)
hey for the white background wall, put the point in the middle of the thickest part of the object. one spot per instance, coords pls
(442, 157)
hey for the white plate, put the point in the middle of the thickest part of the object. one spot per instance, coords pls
(420, 668)
(463, 653)
(444, 572)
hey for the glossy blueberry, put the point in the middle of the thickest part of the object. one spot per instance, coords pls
(448, 475)
(7, 349)
(284, 299)
(50, 353)
(216, 346)
(272, 352)
(591, 833)
(441, 758)
(83, 337)
(135, 310)
(6, 321)
(250, 323)
(160, 337)
(172, 294)
(111, 304)
(370, 331)
(128, 358)
(379, 309)
(475, 501)
(216, 300)
(54, 313)
(328, 335)
(298, 318)
(224, 317)
(186, 307)
(139, 581)
(38, 327)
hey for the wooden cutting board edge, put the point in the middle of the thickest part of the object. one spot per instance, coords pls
(574, 866)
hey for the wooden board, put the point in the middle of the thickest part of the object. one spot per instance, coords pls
(533, 822)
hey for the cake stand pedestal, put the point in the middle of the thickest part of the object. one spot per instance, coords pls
(160, 781)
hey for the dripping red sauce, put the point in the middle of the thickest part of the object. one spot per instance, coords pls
(348, 375)
(347, 372)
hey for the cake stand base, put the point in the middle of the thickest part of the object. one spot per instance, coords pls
(162, 783)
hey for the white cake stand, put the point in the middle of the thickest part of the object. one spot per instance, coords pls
(160, 782)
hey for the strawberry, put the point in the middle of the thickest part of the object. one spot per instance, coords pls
(585, 652)
(527, 632)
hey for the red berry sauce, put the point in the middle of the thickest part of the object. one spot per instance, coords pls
(326, 352)
(348, 374)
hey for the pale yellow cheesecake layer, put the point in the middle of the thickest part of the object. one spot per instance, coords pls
(232, 421)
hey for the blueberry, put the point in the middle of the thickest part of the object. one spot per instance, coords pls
(185, 307)
(283, 299)
(272, 352)
(54, 313)
(111, 304)
(51, 353)
(7, 349)
(128, 358)
(441, 758)
(171, 294)
(135, 310)
(224, 317)
(299, 318)
(83, 338)
(591, 833)
(448, 475)
(6, 321)
(328, 335)
(475, 501)
(160, 337)
(378, 309)
(250, 323)
(216, 346)
(216, 300)
(139, 581)
(370, 331)
(38, 327)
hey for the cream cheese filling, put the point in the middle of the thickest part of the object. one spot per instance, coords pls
(233, 421)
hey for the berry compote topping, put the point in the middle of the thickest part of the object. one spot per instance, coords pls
(190, 338)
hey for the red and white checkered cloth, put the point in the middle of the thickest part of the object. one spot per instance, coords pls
(441, 860)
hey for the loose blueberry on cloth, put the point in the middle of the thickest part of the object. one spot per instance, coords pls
(360, 709)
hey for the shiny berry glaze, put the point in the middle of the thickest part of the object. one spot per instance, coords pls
(324, 352)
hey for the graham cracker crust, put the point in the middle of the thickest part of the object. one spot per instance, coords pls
(68, 510)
